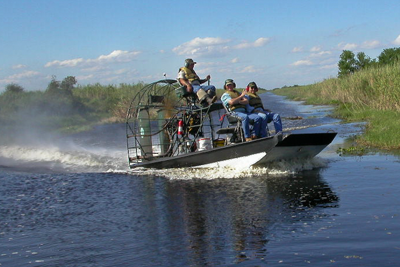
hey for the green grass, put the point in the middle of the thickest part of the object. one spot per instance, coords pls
(371, 95)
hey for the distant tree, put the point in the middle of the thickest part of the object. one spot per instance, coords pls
(54, 85)
(347, 63)
(15, 88)
(61, 88)
(363, 61)
(68, 83)
(389, 56)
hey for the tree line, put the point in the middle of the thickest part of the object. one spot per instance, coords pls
(350, 62)
(63, 105)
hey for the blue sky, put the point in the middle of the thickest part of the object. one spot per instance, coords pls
(273, 43)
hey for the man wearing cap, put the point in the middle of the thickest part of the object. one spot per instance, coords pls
(236, 103)
(188, 77)
(256, 106)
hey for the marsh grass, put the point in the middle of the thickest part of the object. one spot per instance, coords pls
(108, 101)
(371, 95)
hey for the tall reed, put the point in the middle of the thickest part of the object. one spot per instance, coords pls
(371, 95)
(377, 88)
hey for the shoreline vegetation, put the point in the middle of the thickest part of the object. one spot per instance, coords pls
(365, 91)
(62, 107)
(371, 95)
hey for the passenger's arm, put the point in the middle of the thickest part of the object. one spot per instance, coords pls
(186, 83)
(239, 100)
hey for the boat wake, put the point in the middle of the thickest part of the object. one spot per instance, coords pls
(282, 168)
(57, 159)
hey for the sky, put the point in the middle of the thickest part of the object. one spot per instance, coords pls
(273, 43)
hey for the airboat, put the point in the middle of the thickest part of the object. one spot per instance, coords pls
(166, 127)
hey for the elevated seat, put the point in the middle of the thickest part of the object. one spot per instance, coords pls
(181, 92)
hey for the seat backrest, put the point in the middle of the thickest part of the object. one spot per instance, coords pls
(232, 118)
(181, 92)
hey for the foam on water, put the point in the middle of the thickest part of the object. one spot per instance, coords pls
(56, 158)
(281, 168)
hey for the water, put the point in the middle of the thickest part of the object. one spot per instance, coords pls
(72, 201)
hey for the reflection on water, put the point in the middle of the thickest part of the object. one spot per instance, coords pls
(232, 220)
(112, 220)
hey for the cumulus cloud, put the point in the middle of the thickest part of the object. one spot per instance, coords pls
(297, 49)
(115, 56)
(19, 66)
(315, 49)
(348, 46)
(330, 66)
(201, 46)
(371, 44)
(397, 41)
(248, 69)
(257, 43)
(215, 46)
(321, 53)
(15, 78)
(65, 63)
(261, 41)
(304, 62)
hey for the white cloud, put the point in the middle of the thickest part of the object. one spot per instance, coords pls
(201, 46)
(248, 69)
(349, 46)
(261, 41)
(315, 49)
(297, 49)
(115, 56)
(235, 60)
(64, 63)
(257, 43)
(321, 53)
(215, 46)
(327, 67)
(305, 62)
(15, 78)
(397, 41)
(25, 74)
(19, 66)
(371, 44)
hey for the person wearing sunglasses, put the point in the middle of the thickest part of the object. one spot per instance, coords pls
(256, 106)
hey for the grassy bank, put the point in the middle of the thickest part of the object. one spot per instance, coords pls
(371, 95)
(62, 111)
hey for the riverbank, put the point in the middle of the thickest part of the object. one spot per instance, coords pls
(370, 96)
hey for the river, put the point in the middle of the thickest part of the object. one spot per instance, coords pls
(72, 201)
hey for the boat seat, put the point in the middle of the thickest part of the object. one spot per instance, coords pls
(181, 92)
(234, 128)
